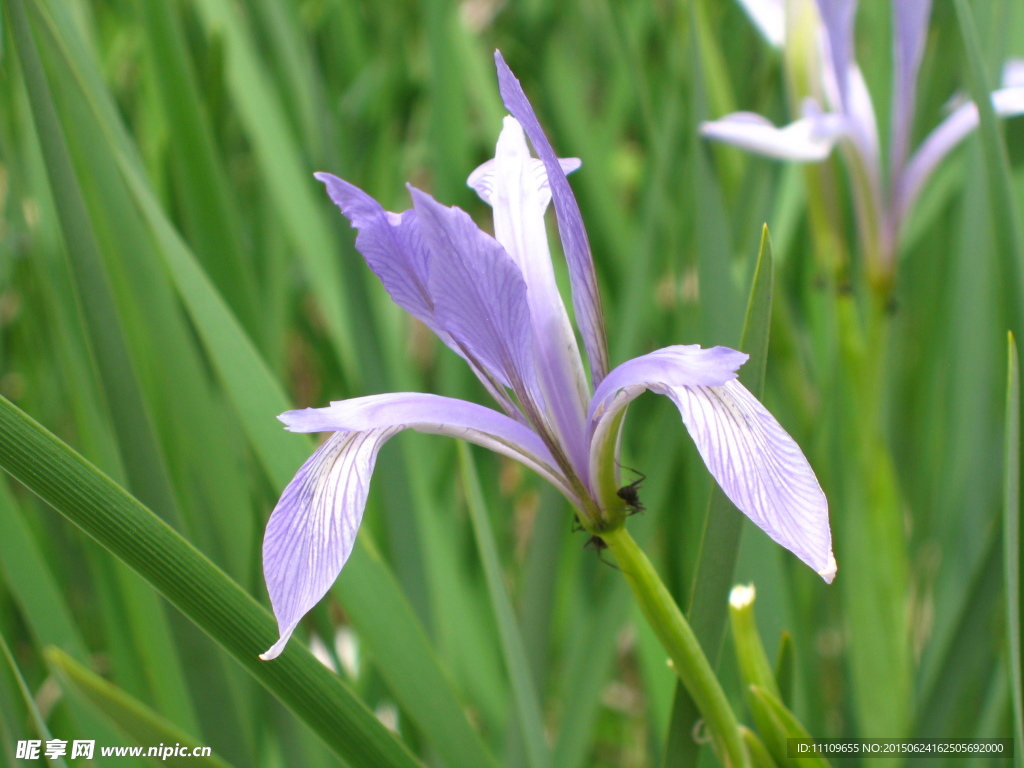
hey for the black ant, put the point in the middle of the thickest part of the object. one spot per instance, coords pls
(631, 493)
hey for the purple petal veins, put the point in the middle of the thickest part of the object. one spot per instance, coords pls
(313, 527)
(496, 303)
(757, 464)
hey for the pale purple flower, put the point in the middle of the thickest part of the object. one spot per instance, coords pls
(494, 302)
(847, 118)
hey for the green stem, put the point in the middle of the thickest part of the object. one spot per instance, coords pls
(678, 639)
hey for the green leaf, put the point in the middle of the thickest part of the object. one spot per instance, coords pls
(724, 523)
(194, 585)
(30, 579)
(1003, 207)
(785, 668)
(528, 708)
(778, 725)
(38, 721)
(133, 718)
(1011, 539)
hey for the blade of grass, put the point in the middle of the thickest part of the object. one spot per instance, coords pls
(1005, 218)
(133, 718)
(256, 396)
(196, 586)
(32, 583)
(210, 213)
(1011, 539)
(528, 707)
(38, 721)
(723, 525)
(288, 184)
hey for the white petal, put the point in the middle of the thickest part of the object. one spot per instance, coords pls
(807, 140)
(516, 187)
(769, 16)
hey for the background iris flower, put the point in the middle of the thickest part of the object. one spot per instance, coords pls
(494, 301)
(838, 110)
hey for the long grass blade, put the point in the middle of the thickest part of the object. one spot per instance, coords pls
(1012, 541)
(198, 588)
(527, 702)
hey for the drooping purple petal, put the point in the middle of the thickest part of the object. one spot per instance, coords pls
(681, 365)
(910, 29)
(758, 466)
(313, 528)
(394, 249)
(514, 184)
(436, 415)
(807, 140)
(479, 294)
(769, 16)
(940, 142)
(586, 298)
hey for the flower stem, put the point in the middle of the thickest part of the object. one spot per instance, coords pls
(678, 639)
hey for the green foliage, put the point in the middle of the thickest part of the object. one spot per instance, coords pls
(172, 277)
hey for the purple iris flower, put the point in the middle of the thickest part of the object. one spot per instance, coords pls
(495, 303)
(847, 117)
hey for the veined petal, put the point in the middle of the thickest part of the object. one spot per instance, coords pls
(395, 250)
(808, 140)
(514, 185)
(392, 246)
(436, 415)
(479, 294)
(769, 16)
(910, 29)
(679, 365)
(940, 142)
(585, 296)
(758, 466)
(313, 527)
(312, 530)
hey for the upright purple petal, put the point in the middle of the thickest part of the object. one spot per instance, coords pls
(516, 187)
(910, 30)
(313, 528)
(392, 246)
(586, 298)
(838, 17)
(394, 249)
(758, 466)
(479, 294)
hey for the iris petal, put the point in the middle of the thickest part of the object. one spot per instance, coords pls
(585, 296)
(313, 528)
(757, 464)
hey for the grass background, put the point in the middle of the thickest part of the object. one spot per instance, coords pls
(171, 277)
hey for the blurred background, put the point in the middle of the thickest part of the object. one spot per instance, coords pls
(109, 337)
